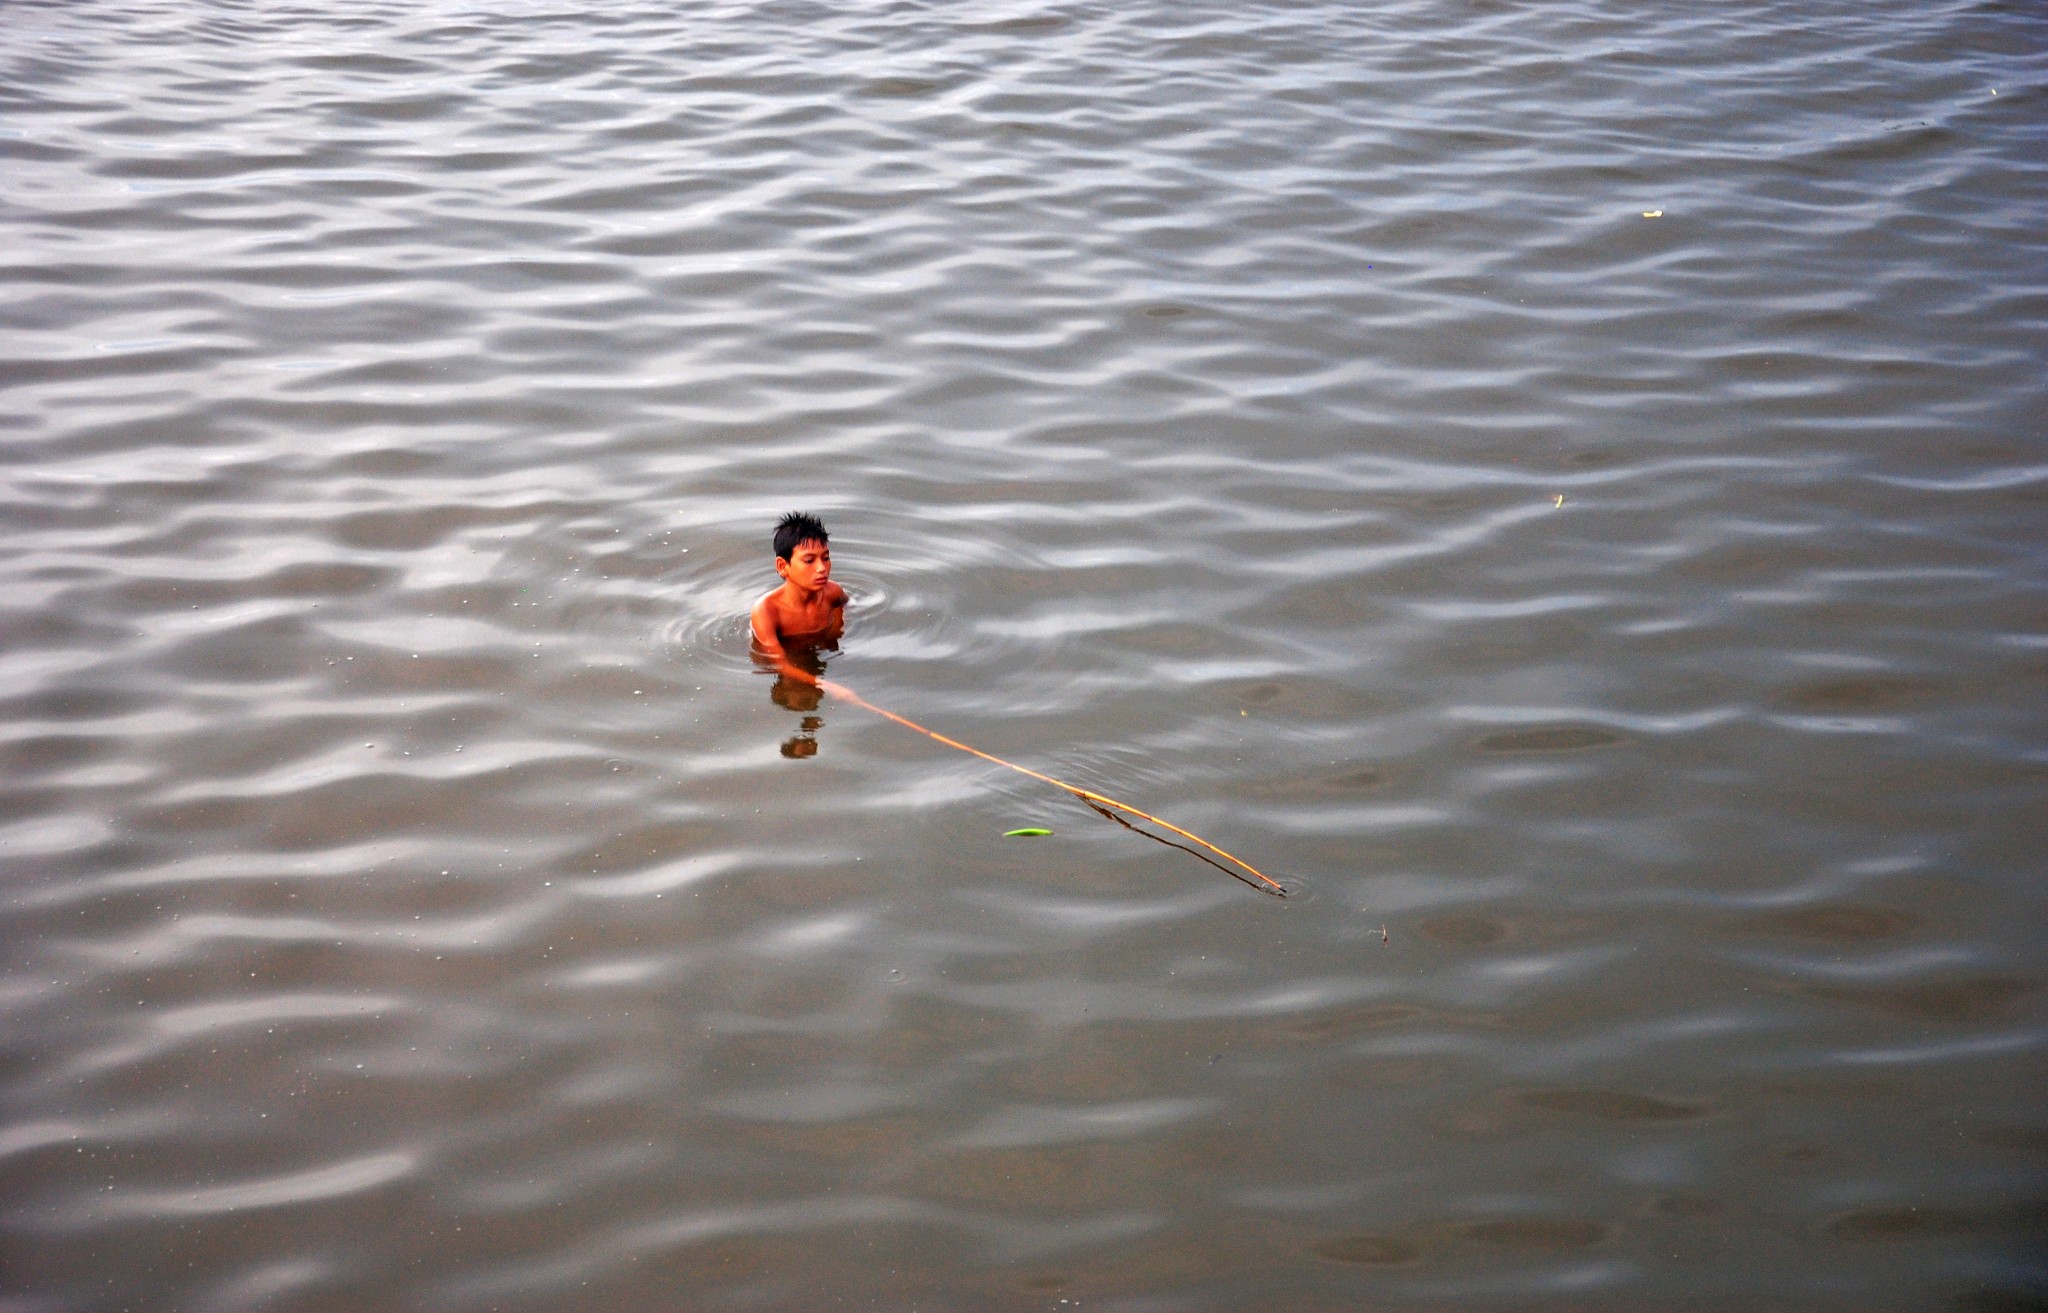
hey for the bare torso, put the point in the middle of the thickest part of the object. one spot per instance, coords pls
(781, 618)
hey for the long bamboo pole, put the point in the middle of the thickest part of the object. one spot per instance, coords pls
(839, 690)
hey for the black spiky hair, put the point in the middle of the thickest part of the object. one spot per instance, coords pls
(796, 529)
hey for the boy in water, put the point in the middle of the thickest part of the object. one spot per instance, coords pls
(806, 613)
(809, 610)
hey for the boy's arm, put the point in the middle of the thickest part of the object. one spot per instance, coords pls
(766, 632)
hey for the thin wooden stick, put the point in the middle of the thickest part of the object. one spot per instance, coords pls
(840, 690)
(1108, 815)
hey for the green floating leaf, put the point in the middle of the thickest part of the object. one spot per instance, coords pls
(1028, 832)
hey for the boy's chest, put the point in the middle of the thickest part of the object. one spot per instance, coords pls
(808, 618)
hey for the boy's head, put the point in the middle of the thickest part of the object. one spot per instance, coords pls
(801, 554)
(796, 529)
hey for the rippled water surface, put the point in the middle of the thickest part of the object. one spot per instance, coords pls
(1560, 486)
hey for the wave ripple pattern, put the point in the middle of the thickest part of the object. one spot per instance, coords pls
(1560, 485)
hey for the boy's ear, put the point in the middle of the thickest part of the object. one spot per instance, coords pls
(782, 567)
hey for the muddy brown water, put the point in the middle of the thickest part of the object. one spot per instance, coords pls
(1562, 487)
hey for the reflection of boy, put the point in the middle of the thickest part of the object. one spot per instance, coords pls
(809, 610)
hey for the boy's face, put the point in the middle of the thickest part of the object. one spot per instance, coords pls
(809, 565)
